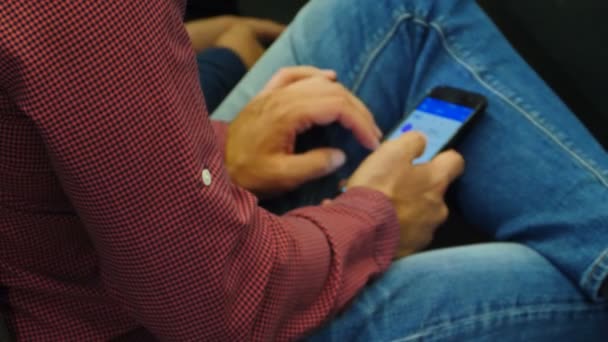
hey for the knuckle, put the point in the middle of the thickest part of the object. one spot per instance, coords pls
(309, 69)
(284, 116)
(338, 89)
(340, 101)
(458, 159)
(442, 182)
(344, 101)
(461, 162)
(283, 72)
(242, 28)
(443, 213)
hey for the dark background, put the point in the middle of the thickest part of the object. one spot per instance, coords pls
(281, 10)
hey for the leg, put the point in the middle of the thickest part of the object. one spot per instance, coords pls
(534, 175)
(491, 292)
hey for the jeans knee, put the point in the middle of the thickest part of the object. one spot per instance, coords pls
(484, 272)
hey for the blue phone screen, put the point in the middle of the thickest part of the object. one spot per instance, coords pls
(438, 120)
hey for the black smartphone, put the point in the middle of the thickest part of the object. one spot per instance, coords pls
(442, 116)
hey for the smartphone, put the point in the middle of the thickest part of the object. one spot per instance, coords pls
(442, 116)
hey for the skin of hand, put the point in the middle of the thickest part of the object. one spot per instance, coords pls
(245, 36)
(416, 191)
(260, 145)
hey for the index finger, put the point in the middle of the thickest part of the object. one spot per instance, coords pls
(411, 145)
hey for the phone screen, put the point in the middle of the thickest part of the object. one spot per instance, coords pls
(438, 120)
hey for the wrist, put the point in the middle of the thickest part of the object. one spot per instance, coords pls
(249, 174)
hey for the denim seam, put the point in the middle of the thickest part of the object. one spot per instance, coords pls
(371, 57)
(595, 275)
(590, 166)
(440, 330)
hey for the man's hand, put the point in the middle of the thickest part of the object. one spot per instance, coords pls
(416, 191)
(245, 36)
(260, 147)
(243, 41)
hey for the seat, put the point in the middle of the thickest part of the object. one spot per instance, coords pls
(4, 332)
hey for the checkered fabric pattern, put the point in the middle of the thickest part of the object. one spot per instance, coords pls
(106, 223)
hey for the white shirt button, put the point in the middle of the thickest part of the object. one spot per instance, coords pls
(206, 177)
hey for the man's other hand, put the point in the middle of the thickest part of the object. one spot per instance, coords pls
(247, 37)
(416, 191)
(260, 147)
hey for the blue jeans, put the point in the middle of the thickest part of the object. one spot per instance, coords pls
(535, 177)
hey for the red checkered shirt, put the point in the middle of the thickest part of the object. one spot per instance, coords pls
(106, 224)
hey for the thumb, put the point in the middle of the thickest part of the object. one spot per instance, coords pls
(313, 164)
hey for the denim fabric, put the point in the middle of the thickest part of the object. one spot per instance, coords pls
(535, 176)
(487, 292)
(219, 70)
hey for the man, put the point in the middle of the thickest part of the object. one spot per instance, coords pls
(128, 209)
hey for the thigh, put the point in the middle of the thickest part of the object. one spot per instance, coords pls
(485, 292)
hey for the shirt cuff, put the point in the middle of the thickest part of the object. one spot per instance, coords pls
(381, 212)
(362, 231)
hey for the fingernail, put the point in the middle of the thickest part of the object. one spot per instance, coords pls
(375, 144)
(379, 132)
(337, 159)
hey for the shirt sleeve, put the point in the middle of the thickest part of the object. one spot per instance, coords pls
(221, 132)
(114, 93)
